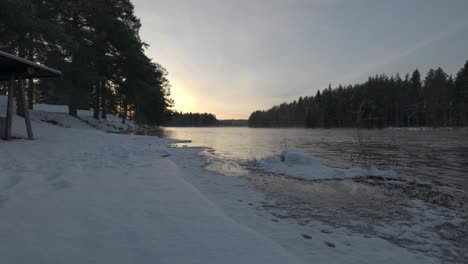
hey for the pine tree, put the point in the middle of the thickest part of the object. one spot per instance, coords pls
(381, 101)
(461, 96)
(416, 100)
(92, 43)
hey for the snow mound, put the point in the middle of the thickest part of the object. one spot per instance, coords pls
(298, 157)
(297, 164)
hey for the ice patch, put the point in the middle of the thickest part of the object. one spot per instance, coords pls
(296, 163)
(298, 157)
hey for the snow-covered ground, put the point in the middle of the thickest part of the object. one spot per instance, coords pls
(111, 124)
(79, 195)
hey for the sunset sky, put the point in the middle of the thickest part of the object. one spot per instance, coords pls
(231, 57)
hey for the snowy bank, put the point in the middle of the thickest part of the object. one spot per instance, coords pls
(111, 124)
(79, 195)
(296, 163)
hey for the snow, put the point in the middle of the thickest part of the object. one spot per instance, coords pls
(111, 124)
(79, 195)
(296, 163)
(241, 202)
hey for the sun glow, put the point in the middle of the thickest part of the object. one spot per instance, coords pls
(182, 100)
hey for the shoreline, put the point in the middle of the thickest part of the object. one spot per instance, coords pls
(267, 206)
(86, 196)
(79, 184)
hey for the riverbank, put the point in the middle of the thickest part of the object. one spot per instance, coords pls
(79, 195)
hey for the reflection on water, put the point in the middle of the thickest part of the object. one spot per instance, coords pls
(440, 155)
(370, 206)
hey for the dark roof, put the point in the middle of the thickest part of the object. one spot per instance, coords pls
(24, 68)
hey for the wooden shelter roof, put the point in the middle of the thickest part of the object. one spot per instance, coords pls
(23, 68)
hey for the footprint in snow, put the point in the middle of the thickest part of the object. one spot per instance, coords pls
(54, 175)
(330, 244)
(3, 200)
(59, 185)
(13, 181)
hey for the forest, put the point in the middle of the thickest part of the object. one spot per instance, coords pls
(97, 46)
(179, 119)
(382, 101)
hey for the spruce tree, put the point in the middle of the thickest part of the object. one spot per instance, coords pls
(461, 96)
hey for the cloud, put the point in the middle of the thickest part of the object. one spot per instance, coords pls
(391, 57)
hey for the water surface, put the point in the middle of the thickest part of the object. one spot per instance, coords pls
(437, 154)
(429, 215)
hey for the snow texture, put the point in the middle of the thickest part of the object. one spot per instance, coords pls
(111, 124)
(79, 195)
(296, 163)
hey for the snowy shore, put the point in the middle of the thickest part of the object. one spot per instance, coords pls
(80, 195)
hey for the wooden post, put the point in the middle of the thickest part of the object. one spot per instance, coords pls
(9, 117)
(27, 120)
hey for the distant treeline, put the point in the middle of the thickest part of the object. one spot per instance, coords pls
(97, 46)
(233, 123)
(180, 119)
(381, 101)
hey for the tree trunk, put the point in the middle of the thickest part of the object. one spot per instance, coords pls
(103, 100)
(26, 112)
(125, 110)
(72, 105)
(72, 110)
(30, 81)
(97, 100)
(19, 103)
(72, 96)
(21, 54)
(30, 94)
(4, 89)
(9, 117)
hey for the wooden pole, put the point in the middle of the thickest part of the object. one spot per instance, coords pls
(9, 117)
(27, 120)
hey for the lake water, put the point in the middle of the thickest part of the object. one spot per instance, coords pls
(440, 155)
(426, 211)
